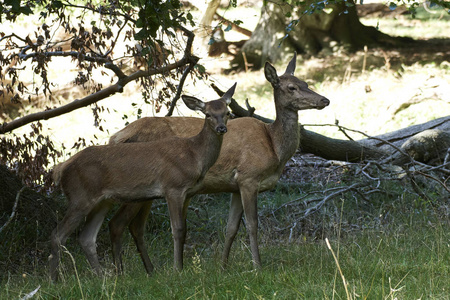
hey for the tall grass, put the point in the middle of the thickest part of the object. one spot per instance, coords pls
(389, 249)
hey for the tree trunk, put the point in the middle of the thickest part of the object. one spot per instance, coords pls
(322, 31)
(335, 149)
(204, 31)
(428, 143)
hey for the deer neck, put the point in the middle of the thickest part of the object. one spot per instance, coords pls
(284, 131)
(208, 144)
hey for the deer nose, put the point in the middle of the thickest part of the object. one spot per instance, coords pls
(221, 129)
(322, 103)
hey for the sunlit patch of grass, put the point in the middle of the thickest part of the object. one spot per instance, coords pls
(424, 25)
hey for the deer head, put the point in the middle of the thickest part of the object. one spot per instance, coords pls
(291, 92)
(214, 111)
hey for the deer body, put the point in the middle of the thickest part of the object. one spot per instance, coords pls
(170, 168)
(252, 159)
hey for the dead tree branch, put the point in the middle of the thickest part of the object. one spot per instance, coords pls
(14, 209)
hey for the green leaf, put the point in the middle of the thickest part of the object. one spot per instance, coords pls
(57, 4)
(141, 35)
(139, 23)
(200, 68)
(228, 27)
(26, 10)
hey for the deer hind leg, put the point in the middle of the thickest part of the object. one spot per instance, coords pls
(233, 223)
(137, 230)
(249, 197)
(117, 225)
(177, 211)
(74, 216)
(88, 236)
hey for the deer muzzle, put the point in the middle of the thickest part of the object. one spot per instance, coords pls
(221, 129)
(323, 103)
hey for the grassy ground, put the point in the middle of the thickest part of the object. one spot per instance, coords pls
(394, 245)
(396, 249)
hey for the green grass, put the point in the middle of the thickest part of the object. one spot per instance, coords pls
(403, 265)
(399, 250)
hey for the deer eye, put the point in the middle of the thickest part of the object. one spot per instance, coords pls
(292, 87)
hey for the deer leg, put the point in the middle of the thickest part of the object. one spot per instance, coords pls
(88, 236)
(177, 212)
(250, 204)
(72, 219)
(117, 225)
(137, 229)
(233, 223)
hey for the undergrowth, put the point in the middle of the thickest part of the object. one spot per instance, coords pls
(393, 246)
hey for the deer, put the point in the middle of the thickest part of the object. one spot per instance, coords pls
(252, 159)
(172, 168)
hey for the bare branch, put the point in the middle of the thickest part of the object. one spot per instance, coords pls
(14, 209)
(234, 26)
(238, 110)
(180, 87)
(188, 58)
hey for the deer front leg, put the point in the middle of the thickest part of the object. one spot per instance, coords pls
(137, 230)
(249, 197)
(72, 219)
(233, 223)
(177, 211)
(88, 235)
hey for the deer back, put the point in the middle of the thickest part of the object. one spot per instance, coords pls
(246, 147)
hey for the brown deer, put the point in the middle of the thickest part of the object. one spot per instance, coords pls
(171, 168)
(252, 159)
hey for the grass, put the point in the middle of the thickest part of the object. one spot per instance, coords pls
(391, 248)
(376, 265)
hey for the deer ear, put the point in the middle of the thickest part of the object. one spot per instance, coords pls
(271, 75)
(291, 66)
(229, 94)
(193, 103)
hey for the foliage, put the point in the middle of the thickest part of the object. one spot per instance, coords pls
(94, 36)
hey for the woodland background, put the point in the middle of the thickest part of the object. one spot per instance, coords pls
(383, 205)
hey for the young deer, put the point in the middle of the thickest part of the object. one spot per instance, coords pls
(171, 168)
(252, 159)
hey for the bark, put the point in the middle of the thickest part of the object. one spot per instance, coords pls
(336, 149)
(426, 143)
(322, 31)
(400, 136)
(429, 146)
